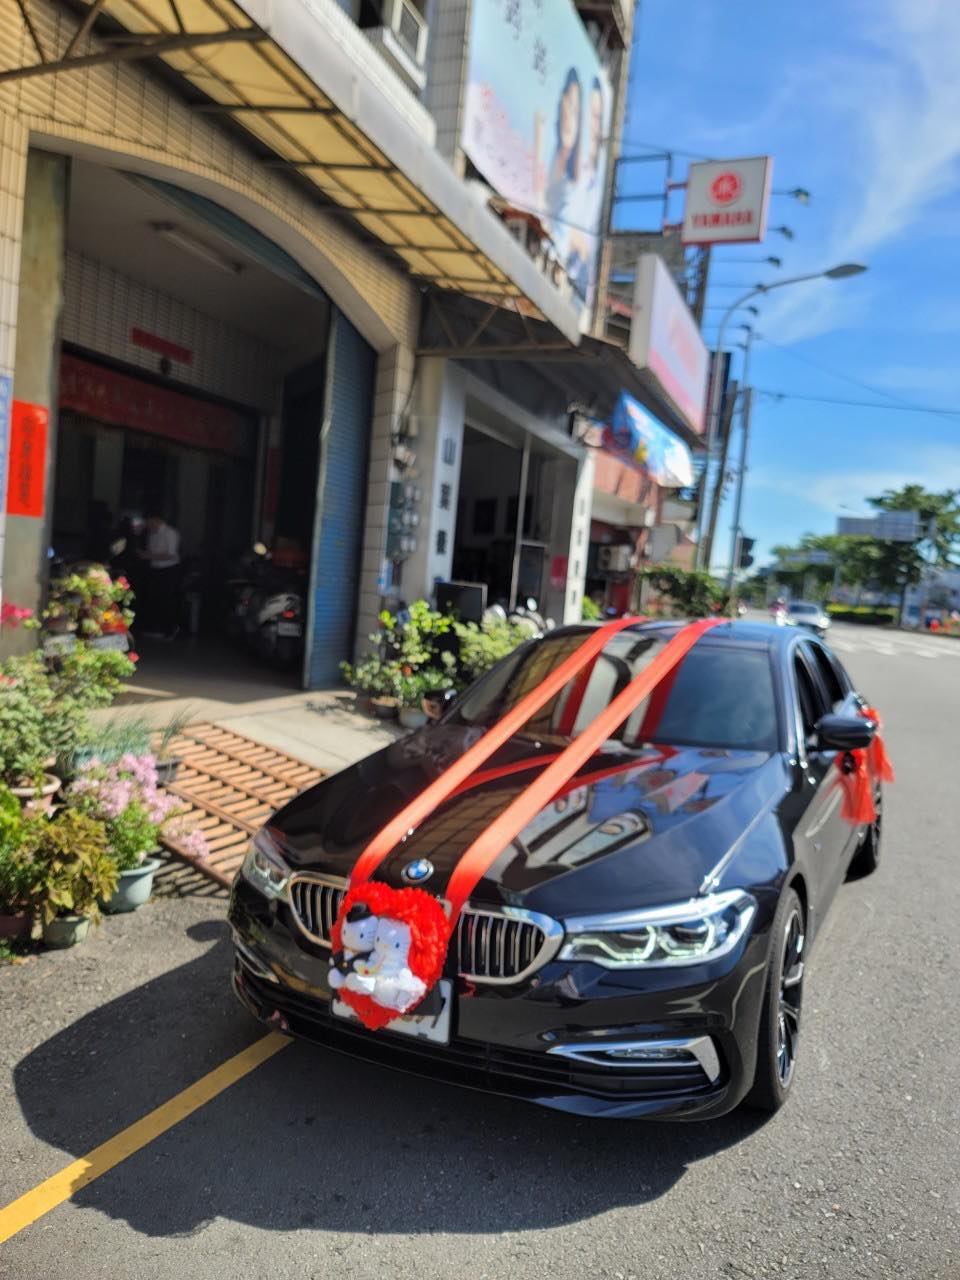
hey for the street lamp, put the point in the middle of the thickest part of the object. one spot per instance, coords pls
(840, 272)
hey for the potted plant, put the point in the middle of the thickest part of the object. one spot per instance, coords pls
(168, 764)
(379, 680)
(125, 796)
(94, 605)
(16, 913)
(25, 742)
(68, 870)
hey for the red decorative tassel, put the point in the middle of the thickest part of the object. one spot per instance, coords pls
(429, 931)
(858, 806)
(878, 762)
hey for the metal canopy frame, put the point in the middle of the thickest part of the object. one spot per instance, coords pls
(121, 49)
(591, 375)
(269, 69)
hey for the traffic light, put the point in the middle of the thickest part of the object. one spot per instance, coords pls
(745, 559)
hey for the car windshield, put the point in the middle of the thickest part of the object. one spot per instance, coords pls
(718, 696)
(804, 608)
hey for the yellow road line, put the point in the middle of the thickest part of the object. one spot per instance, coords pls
(47, 1195)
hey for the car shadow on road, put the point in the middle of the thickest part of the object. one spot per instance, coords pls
(315, 1141)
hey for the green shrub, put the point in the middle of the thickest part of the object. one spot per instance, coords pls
(68, 865)
(409, 658)
(14, 871)
(25, 735)
(867, 615)
(482, 646)
(590, 611)
(689, 593)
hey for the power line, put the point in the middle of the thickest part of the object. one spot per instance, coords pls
(842, 376)
(903, 407)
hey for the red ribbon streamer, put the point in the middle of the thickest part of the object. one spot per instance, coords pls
(442, 788)
(860, 770)
(488, 846)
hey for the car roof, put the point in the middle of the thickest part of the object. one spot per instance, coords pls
(740, 633)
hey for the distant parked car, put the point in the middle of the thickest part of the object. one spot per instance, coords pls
(812, 616)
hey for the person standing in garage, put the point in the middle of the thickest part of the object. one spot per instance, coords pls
(163, 554)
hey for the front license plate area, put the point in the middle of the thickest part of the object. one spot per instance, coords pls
(434, 1026)
(288, 629)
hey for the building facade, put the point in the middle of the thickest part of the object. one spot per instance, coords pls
(257, 272)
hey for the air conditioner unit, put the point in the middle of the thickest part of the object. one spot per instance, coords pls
(615, 559)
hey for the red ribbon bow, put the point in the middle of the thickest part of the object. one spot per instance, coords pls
(860, 770)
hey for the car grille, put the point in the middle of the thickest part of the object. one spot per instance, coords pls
(491, 946)
(521, 1073)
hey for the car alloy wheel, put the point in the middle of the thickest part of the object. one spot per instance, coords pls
(778, 1033)
(867, 858)
(791, 998)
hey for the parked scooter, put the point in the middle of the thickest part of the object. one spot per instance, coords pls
(266, 607)
(528, 617)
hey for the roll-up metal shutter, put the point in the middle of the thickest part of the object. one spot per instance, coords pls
(341, 489)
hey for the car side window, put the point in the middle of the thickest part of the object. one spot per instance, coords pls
(808, 696)
(820, 661)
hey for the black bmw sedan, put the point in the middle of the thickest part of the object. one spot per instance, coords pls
(639, 949)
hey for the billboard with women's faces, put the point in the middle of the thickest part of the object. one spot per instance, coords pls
(537, 122)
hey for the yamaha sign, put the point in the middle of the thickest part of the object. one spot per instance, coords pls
(727, 201)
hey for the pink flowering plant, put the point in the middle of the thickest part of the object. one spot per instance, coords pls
(126, 797)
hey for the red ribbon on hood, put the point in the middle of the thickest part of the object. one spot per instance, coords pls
(404, 949)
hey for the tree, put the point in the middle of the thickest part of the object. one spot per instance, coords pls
(902, 564)
(689, 593)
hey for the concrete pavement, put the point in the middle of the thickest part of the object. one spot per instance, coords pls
(315, 1166)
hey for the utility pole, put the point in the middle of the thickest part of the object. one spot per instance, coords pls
(840, 272)
(725, 433)
(746, 406)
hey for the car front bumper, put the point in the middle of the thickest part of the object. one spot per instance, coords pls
(562, 1039)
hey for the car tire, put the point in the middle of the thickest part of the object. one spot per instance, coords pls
(867, 857)
(778, 1034)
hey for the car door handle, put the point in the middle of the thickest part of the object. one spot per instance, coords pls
(817, 846)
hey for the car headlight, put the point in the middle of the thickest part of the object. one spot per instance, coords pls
(264, 867)
(681, 933)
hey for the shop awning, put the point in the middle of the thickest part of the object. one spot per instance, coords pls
(262, 63)
(592, 374)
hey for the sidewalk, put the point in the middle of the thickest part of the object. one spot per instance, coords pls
(221, 685)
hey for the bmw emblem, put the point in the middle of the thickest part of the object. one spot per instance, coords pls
(417, 872)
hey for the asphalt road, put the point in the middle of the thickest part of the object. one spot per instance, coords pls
(314, 1166)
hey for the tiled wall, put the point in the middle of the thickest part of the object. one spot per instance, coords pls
(13, 170)
(124, 109)
(447, 71)
(124, 113)
(101, 306)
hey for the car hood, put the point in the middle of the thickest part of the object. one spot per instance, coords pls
(642, 826)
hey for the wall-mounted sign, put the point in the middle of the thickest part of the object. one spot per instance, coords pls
(27, 471)
(636, 438)
(727, 201)
(130, 402)
(664, 339)
(6, 398)
(162, 346)
(537, 121)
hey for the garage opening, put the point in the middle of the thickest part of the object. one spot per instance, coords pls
(192, 387)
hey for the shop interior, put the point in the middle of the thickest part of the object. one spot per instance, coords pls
(204, 288)
(488, 547)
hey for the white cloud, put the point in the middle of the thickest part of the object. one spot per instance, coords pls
(934, 468)
(890, 106)
(940, 383)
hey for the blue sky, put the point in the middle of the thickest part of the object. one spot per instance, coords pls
(859, 102)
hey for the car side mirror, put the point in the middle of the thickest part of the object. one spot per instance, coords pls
(844, 733)
(435, 704)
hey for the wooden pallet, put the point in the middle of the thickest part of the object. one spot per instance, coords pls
(229, 786)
